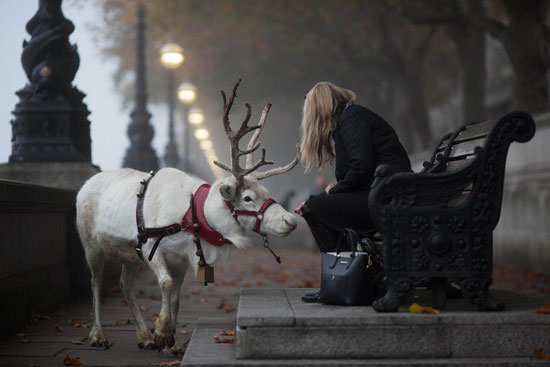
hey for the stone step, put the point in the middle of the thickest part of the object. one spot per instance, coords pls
(204, 352)
(275, 324)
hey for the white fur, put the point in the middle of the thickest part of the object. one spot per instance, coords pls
(106, 222)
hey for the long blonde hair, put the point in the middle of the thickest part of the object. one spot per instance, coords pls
(322, 107)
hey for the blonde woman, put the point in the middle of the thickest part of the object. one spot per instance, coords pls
(335, 128)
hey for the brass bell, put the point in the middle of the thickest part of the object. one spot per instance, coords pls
(139, 195)
(196, 226)
(152, 173)
(206, 275)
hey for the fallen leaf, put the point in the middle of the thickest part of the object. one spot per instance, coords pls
(24, 340)
(184, 332)
(77, 342)
(122, 323)
(154, 317)
(539, 354)
(542, 309)
(228, 333)
(171, 363)
(416, 308)
(143, 308)
(59, 328)
(223, 340)
(72, 362)
(86, 325)
(76, 323)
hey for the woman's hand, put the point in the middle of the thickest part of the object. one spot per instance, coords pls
(298, 210)
(329, 186)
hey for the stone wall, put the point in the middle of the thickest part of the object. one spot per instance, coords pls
(37, 228)
(522, 237)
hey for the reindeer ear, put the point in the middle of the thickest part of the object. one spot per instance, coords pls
(229, 192)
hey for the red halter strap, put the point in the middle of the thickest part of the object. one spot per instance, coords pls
(259, 214)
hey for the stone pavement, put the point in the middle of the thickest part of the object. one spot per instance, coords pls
(49, 337)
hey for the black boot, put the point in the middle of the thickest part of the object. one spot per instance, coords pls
(311, 297)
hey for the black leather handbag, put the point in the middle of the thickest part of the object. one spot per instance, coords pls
(350, 278)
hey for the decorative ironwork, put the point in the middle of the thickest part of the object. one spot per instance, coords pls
(51, 121)
(140, 155)
(429, 237)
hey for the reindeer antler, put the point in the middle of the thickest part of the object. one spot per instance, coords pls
(253, 144)
(234, 138)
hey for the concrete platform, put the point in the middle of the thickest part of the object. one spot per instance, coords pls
(274, 328)
(275, 324)
(204, 352)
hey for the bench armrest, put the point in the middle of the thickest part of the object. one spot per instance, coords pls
(403, 191)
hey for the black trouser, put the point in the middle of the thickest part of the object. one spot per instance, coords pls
(327, 215)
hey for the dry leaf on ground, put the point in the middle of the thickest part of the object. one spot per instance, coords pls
(171, 363)
(77, 342)
(219, 340)
(143, 308)
(539, 354)
(184, 332)
(154, 317)
(122, 323)
(416, 308)
(72, 362)
(228, 333)
(542, 309)
(59, 328)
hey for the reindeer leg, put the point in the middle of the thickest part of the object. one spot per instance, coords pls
(127, 277)
(178, 275)
(96, 263)
(164, 326)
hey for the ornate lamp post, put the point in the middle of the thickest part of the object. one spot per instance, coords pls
(187, 93)
(140, 155)
(51, 123)
(171, 57)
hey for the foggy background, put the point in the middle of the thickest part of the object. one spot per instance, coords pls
(426, 66)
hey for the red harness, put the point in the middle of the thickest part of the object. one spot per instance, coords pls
(206, 232)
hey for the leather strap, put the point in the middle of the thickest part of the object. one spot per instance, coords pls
(258, 214)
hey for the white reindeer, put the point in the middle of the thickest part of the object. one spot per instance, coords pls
(106, 222)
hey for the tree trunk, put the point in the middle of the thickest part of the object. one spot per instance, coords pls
(470, 45)
(526, 42)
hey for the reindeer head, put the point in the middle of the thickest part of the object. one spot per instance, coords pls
(244, 196)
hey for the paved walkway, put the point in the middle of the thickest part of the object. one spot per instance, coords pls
(49, 338)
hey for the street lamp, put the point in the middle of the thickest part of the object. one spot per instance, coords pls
(195, 116)
(202, 134)
(206, 145)
(187, 93)
(171, 57)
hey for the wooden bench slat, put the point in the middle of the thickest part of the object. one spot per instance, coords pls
(467, 147)
(473, 132)
(455, 165)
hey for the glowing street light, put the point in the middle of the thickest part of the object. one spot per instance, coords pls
(187, 93)
(195, 116)
(171, 56)
(206, 145)
(202, 134)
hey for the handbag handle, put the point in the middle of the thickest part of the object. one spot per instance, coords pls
(351, 238)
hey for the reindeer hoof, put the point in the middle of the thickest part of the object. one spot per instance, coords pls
(149, 346)
(101, 344)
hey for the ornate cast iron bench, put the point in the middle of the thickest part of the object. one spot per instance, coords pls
(437, 225)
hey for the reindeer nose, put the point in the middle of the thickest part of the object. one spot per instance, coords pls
(291, 222)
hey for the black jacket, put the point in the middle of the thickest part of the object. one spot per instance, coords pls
(362, 141)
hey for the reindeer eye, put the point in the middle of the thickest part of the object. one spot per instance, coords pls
(247, 198)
